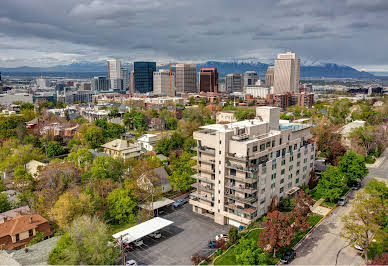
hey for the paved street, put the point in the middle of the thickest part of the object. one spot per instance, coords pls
(382, 170)
(324, 243)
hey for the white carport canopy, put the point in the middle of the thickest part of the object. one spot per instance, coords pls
(141, 230)
(157, 204)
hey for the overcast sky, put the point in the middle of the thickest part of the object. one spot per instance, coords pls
(52, 32)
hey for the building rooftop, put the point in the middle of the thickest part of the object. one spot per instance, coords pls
(21, 223)
(120, 145)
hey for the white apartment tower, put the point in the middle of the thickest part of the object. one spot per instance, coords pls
(125, 78)
(242, 166)
(287, 73)
(186, 78)
(114, 74)
(164, 82)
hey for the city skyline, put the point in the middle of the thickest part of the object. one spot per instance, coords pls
(50, 33)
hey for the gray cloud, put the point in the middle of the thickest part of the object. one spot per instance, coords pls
(53, 32)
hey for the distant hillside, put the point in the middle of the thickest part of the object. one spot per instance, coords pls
(307, 71)
(316, 71)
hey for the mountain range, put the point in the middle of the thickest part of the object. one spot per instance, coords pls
(322, 70)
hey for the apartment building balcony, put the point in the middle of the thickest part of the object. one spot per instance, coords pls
(206, 188)
(205, 149)
(242, 179)
(248, 200)
(204, 160)
(196, 202)
(204, 179)
(238, 157)
(198, 167)
(232, 208)
(252, 169)
(196, 195)
(243, 189)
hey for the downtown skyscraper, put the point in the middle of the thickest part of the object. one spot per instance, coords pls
(287, 73)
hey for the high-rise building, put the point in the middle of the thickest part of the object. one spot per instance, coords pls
(1, 84)
(131, 82)
(143, 76)
(114, 74)
(208, 80)
(164, 82)
(42, 82)
(234, 82)
(250, 78)
(242, 166)
(269, 76)
(100, 84)
(186, 78)
(287, 73)
(125, 78)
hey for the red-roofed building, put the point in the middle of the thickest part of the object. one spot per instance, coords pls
(16, 232)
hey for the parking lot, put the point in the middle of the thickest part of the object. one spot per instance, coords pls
(189, 234)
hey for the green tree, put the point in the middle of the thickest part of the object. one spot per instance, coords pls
(340, 111)
(140, 121)
(73, 143)
(191, 100)
(8, 125)
(378, 189)
(181, 172)
(4, 204)
(104, 167)
(121, 206)
(363, 221)
(70, 205)
(26, 106)
(249, 253)
(82, 157)
(353, 167)
(233, 234)
(54, 149)
(244, 114)
(171, 123)
(114, 112)
(332, 184)
(86, 241)
(92, 136)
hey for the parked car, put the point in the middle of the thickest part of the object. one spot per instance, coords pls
(356, 246)
(138, 242)
(131, 263)
(288, 256)
(225, 236)
(179, 203)
(212, 244)
(342, 201)
(356, 186)
(155, 235)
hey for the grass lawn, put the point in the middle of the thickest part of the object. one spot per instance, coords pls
(229, 258)
(115, 228)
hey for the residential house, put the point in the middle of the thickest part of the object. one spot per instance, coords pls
(16, 232)
(148, 141)
(162, 176)
(120, 148)
(34, 123)
(347, 129)
(156, 124)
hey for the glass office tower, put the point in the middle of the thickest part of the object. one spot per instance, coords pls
(143, 76)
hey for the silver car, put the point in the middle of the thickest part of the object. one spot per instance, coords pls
(342, 201)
